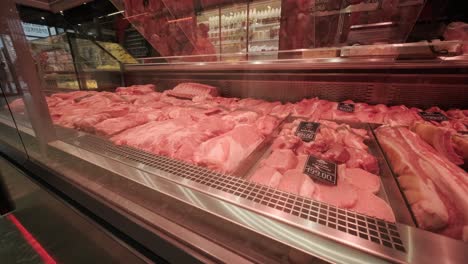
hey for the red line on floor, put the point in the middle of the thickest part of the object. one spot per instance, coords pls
(31, 240)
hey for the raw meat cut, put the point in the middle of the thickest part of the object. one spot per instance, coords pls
(361, 179)
(247, 103)
(425, 202)
(135, 89)
(293, 182)
(434, 186)
(438, 137)
(282, 160)
(371, 205)
(267, 124)
(116, 125)
(457, 31)
(16, 106)
(337, 153)
(148, 98)
(362, 159)
(226, 152)
(148, 136)
(267, 175)
(241, 116)
(73, 95)
(461, 145)
(343, 195)
(266, 107)
(182, 143)
(87, 123)
(190, 90)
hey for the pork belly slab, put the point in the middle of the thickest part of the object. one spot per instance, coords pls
(436, 189)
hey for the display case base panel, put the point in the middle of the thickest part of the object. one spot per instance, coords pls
(365, 227)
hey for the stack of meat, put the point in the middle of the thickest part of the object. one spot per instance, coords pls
(208, 130)
(357, 183)
(399, 115)
(436, 189)
(193, 123)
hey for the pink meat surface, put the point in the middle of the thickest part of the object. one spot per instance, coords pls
(371, 205)
(149, 98)
(226, 152)
(436, 189)
(73, 95)
(267, 124)
(294, 181)
(149, 136)
(267, 175)
(241, 117)
(343, 195)
(16, 105)
(361, 179)
(266, 107)
(440, 138)
(190, 90)
(247, 103)
(362, 159)
(135, 89)
(184, 142)
(116, 125)
(337, 153)
(88, 122)
(282, 160)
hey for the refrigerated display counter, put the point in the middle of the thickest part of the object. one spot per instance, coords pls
(347, 159)
(220, 175)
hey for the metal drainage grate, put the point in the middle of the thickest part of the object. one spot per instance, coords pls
(369, 228)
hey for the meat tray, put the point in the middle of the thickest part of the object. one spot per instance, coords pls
(389, 190)
(259, 152)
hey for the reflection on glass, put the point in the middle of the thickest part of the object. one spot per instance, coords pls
(55, 62)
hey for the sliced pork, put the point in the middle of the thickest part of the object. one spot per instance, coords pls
(436, 189)
(438, 137)
(226, 152)
(267, 175)
(190, 90)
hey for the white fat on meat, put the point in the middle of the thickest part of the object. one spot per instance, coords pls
(438, 137)
(426, 174)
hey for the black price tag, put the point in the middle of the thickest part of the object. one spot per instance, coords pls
(433, 116)
(321, 170)
(348, 108)
(307, 130)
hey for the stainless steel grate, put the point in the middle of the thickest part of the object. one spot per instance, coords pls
(372, 229)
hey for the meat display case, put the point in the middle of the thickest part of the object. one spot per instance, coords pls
(187, 212)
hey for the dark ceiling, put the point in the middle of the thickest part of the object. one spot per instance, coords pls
(79, 15)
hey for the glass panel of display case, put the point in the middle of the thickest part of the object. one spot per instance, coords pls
(54, 59)
(234, 31)
(209, 31)
(167, 25)
(264, 27)
(97, 67)
(9, 93)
